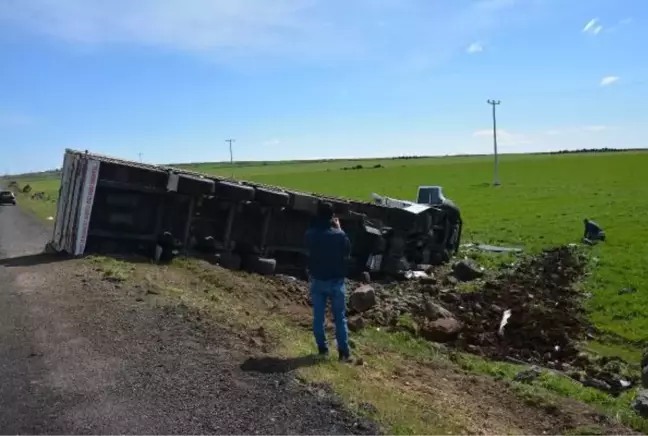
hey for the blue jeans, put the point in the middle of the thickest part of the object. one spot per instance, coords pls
(321, 291)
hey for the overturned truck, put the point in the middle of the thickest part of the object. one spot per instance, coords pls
(112, 206)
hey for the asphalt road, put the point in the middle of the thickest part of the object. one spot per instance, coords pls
(79, 356)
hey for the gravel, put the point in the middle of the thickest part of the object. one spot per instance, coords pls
(83, 356)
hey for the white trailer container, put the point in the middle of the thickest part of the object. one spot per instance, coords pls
(79, 177)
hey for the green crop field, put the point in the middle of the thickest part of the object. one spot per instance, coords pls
(542, 202)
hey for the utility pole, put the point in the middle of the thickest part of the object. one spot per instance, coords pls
(231, 154)
(494, 103)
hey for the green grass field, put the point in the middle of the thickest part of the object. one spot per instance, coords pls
(542, 202)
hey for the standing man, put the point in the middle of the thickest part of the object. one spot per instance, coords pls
(329, 249)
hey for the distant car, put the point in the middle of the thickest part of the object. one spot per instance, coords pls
(7, 197)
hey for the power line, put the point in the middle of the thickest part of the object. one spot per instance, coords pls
(494, 103)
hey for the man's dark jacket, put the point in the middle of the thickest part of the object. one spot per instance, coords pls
(328, 251)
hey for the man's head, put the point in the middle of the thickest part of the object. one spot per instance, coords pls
(325, 211)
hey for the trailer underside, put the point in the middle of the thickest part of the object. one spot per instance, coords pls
(109, 205)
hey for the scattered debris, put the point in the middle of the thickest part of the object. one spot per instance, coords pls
(640, 403)
(466, 271)
(627, 291)
(492, 248)
(528, 375)
(504, 321)
(409, 275)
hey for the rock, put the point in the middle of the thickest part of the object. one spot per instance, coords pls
(363, 298)
(597, 384)
(356, 323)
(442, 330)
(430, 289)
(450, 281)
(434, 311)
(640, 403)
(495, 308)
(644, 359)
(429, 280)
(644, 377)
(466, 271)
(528, 375)
(583, 359)
(450, 297)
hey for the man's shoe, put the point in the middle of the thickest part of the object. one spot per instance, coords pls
(345, 358)
(323, 353)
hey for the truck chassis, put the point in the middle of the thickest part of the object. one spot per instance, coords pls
(109, 205)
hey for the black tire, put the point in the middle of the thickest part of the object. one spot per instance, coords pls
(268, 197)
(261, 265)
(230, 261)
(234, 191)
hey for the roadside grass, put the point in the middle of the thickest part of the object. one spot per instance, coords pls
(232, 299)
(542, 202)
(43, 208)
(112, 269)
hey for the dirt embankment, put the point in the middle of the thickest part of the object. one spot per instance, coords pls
(537, 298)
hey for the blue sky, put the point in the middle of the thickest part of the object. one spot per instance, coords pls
(300, 79)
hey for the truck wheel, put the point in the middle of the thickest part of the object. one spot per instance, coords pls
(230, 261)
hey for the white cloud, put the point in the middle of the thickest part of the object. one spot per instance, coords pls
(475, 47)
(626, 21)
(597, 30)
(316, 30)
(608, 80)
(590, 25)
(553, 132)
